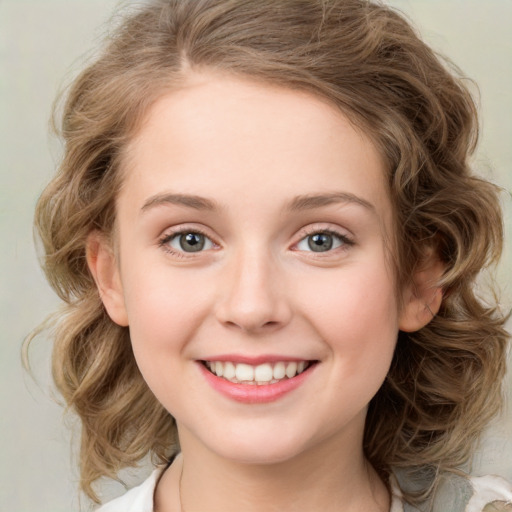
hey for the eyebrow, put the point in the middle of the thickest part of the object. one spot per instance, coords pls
(190, 201)
(310, 201)
(302, 202)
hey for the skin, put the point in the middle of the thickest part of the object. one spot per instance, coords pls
(258, 289)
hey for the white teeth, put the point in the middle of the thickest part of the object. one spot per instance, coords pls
(291, 370)
(229, 371)
(244, 372)
(279, 370)
(262, 374)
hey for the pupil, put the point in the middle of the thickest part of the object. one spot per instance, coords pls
(192, 242)
(320, 242)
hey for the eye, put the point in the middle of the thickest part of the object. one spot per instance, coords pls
(189, 241)
(322, 241)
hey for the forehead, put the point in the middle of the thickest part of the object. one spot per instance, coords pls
(249, 143)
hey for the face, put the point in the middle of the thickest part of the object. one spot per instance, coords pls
(251, 244)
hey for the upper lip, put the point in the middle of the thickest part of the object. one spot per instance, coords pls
(255, 360)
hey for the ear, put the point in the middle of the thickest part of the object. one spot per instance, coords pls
(105, 271)
(422, 297)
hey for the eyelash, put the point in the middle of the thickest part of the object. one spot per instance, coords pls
(163, 242)
(346, 241)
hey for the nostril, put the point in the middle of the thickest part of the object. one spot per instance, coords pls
(249, 326)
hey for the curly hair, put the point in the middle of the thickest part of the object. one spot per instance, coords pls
(444, 384)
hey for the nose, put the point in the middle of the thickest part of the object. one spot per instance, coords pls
(253, 296)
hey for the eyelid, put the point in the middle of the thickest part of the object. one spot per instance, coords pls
(343, 234)
(171, 233)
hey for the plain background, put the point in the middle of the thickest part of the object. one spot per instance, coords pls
(42, 46)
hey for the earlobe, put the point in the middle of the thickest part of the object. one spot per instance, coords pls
(422, 298)
(103, 266)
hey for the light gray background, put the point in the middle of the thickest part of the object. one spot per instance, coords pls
(42, 43)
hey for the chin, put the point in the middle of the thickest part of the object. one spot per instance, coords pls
(272, 448)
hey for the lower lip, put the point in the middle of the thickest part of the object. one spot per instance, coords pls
(254, 393)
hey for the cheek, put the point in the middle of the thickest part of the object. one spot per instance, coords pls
(357, 317)
(357, 298)
(164, 310)
(164, 315)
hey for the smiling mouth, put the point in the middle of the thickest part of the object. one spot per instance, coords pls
(258, 375)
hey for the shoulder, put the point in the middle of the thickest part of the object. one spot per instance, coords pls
(138, 499)
(490, 494)
(459, 493)
(473, 494)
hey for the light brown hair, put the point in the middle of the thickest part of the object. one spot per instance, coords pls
(444, 384)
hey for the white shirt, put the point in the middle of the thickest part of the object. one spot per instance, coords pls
(473, 494)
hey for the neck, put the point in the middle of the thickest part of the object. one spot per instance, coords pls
(326, 479)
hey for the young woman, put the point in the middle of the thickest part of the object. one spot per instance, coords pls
(267, 233)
